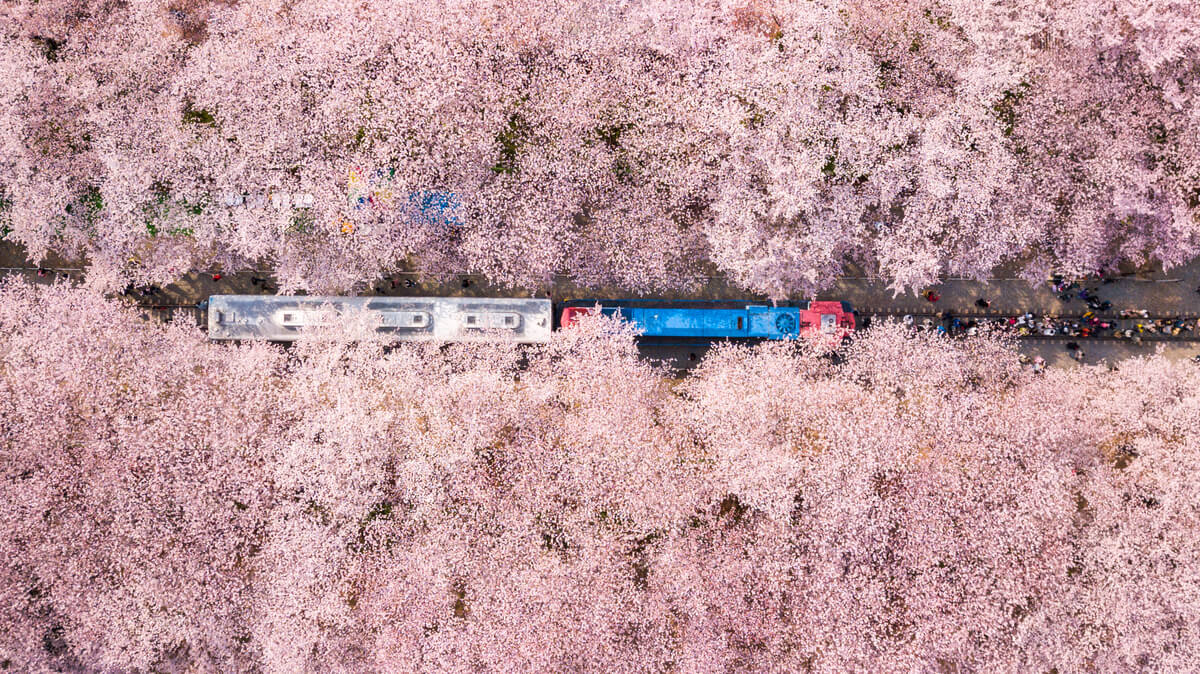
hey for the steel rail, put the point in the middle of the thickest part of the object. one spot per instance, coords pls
(200, 315)
(1057, 316)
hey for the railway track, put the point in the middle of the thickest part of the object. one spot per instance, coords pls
(168, 312)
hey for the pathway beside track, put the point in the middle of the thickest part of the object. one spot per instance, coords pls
(1167, 295)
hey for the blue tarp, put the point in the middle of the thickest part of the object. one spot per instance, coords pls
(435, 207)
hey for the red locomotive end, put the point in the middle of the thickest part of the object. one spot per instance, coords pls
(827, 318)
(572, 314)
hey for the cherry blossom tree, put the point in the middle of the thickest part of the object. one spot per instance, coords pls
(1132, 511)
(620, 143)
(910, 503)
(1103, 124)
(132, 468)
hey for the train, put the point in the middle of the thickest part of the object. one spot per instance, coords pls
(722, 319)
(282, 318)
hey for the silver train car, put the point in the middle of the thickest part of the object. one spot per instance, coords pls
(281, 318)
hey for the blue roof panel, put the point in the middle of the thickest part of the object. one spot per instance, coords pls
(663, 322)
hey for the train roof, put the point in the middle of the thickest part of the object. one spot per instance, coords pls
(283, 318)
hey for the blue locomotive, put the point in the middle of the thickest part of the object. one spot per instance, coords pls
(703, 319)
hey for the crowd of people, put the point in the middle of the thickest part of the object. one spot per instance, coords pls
(1134, 325)
(1087, 325)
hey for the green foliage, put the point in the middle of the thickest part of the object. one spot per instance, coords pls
(554, 537)
(830, 166)
(1157, 133)
(889, 73)
(511, 140)
(1006, 107)
(88, 207)
(301, 222)
(317, 512)
(5, 207)
(610, 134)
(937, 20)
(460, 602)
(623, 169)
(755, 117)
(161, 208)
(198, 116)
(93, 203)
(378, 511)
